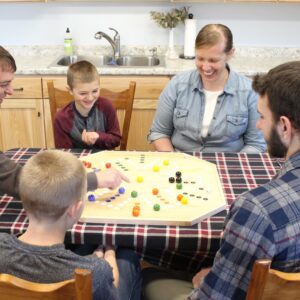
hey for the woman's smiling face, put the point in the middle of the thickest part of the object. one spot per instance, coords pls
(211, 62)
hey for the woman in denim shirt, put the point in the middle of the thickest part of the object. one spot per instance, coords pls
(212, 108)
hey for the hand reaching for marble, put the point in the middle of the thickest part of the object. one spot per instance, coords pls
(110, 178)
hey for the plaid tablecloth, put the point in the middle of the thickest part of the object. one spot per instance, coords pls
(177, 247)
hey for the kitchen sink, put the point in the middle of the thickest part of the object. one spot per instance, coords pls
(95, 60)
(138, 61)
(108, 61)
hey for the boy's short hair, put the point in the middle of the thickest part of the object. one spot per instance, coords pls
(7, 62)
(50, 182)
(81, 71)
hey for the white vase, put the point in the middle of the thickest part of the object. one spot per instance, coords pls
(171, 52)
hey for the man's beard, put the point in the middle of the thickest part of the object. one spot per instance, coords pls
(275, 146)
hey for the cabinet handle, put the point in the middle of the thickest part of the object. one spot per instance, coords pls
(19, 89)
(38, 114)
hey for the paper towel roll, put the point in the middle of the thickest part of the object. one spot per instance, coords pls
(189, 38)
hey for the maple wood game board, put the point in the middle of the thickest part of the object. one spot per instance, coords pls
(165, 189)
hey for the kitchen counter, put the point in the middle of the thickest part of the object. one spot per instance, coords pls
(247, 60)
(31, 96)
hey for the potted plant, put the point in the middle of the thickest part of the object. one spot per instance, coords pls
(170, 20)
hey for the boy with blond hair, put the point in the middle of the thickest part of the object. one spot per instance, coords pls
(52, 187)
(90, 121)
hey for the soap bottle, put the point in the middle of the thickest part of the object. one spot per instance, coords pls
(68, 43)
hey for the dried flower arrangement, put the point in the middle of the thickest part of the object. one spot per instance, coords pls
(170, 19)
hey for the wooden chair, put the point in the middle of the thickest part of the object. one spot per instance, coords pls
(270, 284)
(122, 101)
(79, 288)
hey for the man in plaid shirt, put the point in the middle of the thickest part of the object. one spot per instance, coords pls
(264, 222)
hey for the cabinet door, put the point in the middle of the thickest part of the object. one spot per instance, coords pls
(22, 116)
(22, 123)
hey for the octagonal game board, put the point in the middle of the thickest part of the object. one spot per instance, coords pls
(151, 197)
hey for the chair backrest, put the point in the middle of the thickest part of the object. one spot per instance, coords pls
(78, 288)
(58, 98)
(122, 101)
(270, 284)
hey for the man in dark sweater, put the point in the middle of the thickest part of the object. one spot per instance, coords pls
(9, 171)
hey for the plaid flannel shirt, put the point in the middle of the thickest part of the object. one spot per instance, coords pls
(262, 223)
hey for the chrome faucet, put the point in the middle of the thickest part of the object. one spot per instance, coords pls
(153, 51)
(115, 43)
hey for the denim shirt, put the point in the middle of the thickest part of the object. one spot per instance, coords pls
(180, 113)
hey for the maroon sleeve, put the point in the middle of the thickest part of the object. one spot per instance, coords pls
(9, 176)
(63, 123)
(112, 137)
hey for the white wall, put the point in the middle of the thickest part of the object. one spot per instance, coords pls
(267, 24)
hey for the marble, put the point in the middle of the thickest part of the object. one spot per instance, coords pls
(36, 60)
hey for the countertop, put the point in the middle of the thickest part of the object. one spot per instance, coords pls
(36, 60)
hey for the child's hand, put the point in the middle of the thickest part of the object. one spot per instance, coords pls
(109, 252)
(110, 257)
(105, 252)
(89, 137)
(110, 178)
(99, 252)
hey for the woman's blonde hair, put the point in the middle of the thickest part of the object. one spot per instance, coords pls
(50, 182)
(83, 72)
(212, 34)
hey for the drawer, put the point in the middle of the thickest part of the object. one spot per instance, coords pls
(27, 87)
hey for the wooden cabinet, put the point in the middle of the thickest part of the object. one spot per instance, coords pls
(148, 89)
(22, 115)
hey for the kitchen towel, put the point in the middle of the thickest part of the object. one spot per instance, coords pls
(189, 38)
